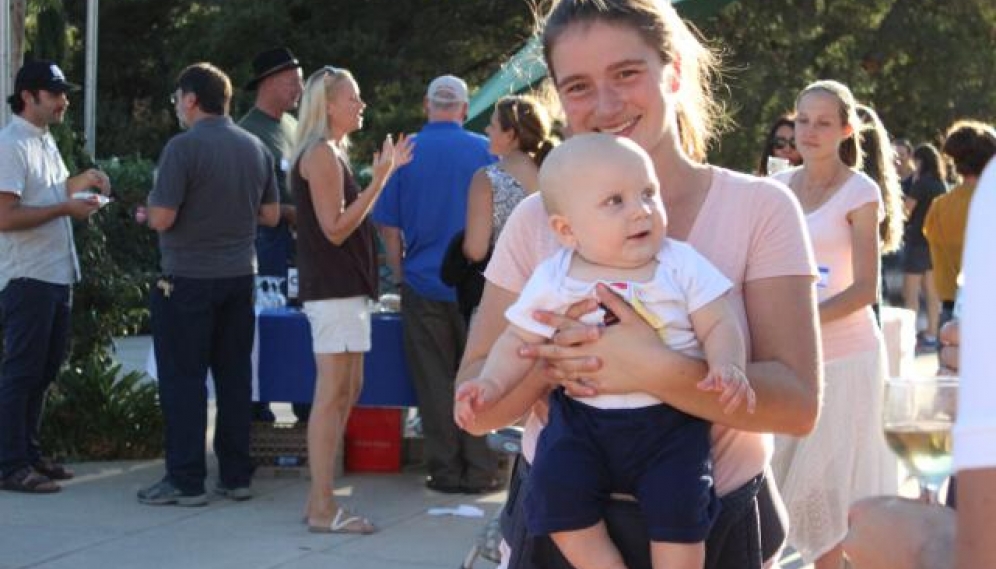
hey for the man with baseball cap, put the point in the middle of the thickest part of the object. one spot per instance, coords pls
(37, 268)
(423, 206)
(278, 86)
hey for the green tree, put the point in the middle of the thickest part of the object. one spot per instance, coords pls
(393, 47)
(921, 64)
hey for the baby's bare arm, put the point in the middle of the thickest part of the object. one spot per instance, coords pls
(503, 367)
(715, 325)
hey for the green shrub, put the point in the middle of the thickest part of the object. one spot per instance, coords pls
(132, 245)
(94, 412)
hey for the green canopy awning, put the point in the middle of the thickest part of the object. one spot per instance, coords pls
(526, 68)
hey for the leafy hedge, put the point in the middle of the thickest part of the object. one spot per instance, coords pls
(94, 411)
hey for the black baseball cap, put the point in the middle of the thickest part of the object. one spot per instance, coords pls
(44, 75)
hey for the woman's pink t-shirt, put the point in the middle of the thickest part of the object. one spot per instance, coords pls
(830, 232)
(750, 228)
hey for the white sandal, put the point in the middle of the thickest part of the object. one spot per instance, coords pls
(346, 522)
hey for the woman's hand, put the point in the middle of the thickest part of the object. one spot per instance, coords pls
(582, 356)
(392, 155)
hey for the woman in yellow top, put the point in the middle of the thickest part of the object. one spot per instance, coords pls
(970, 144)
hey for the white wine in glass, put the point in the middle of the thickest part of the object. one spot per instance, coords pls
(917, 417)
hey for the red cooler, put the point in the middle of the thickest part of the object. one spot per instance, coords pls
(373, 440)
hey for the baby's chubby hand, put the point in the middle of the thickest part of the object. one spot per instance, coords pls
(471, 397)
(731, 381)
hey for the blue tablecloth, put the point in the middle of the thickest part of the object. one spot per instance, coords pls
(287, 363)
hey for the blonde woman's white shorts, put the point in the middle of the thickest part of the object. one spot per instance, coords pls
(339, 325)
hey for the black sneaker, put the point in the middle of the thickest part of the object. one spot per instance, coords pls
(487, 488)
(164, 493)
(238, 493)
(437, 486)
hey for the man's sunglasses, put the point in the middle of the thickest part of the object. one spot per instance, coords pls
(780, 143)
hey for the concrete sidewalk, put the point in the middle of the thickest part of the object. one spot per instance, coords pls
(96, 522)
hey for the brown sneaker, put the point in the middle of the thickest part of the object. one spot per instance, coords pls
(52, 469)
(28, 481)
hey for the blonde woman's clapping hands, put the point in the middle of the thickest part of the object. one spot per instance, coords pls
(392, 155)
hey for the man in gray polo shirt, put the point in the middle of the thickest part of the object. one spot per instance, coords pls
(38, 265)
(214, 184)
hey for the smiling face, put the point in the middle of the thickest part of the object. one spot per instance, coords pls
(819, 126)
(610, 80)
(346, 107)
(604, 200)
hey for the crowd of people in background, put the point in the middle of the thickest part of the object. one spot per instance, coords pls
(778, 312)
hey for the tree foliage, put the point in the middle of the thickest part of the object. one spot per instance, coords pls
(920, 63)
(394, 48)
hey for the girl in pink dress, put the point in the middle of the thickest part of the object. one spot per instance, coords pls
(821, 474)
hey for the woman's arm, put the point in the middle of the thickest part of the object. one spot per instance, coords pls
(865, 261)
(321, 167)
(784, 368)
(486, 327)
(480, 206)
(785, 363)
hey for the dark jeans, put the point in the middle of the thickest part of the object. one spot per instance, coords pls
(750, 529)
(35, 317)
(205, 324)
(434, 336)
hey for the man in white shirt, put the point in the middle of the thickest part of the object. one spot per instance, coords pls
(894, 533)
(38, 265)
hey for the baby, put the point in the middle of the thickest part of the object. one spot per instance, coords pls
(604, 205)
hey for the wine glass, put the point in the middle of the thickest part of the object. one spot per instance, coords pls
(917, 417)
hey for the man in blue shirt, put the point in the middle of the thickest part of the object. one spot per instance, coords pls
(422, 207)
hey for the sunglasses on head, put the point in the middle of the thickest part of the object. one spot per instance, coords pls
(780, 142)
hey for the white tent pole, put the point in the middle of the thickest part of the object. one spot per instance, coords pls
(6, 61)
(90, 80)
